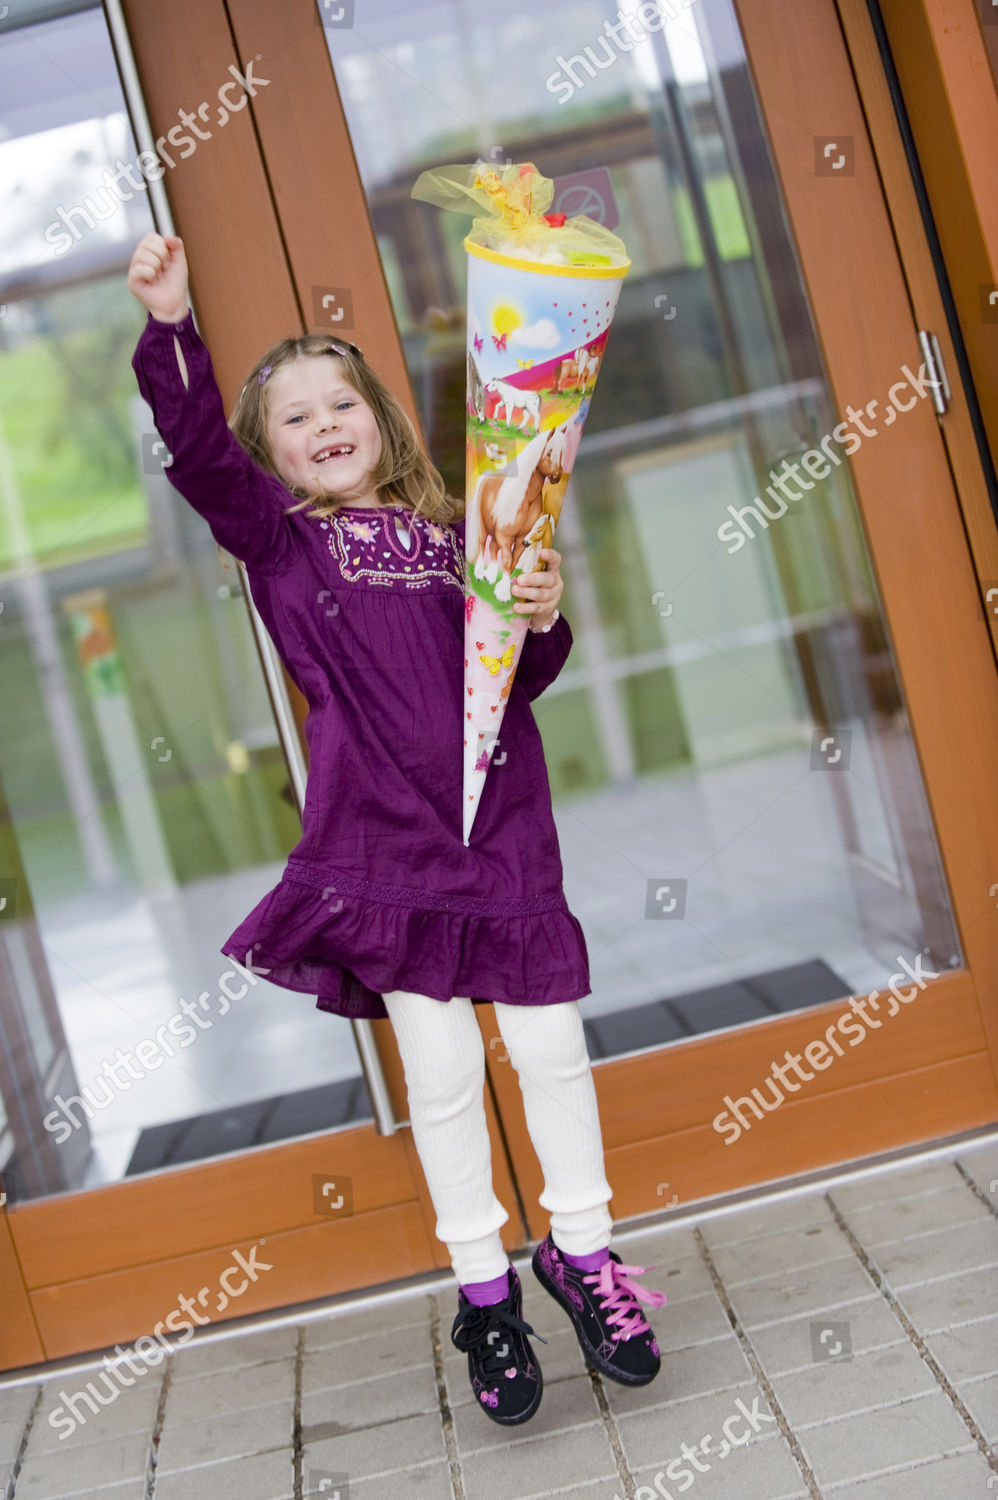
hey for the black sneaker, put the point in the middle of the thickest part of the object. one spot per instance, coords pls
(604, 1310)
(504, 1374)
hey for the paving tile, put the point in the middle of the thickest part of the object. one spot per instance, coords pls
(981, 1399)
(380, 1450)
(928, 1257)
(772, 1218)
(11, 1434)
(265, 1476)
(806, 1291)
(428, 1482)
(385, 1353)
(537, 1462)
(967, 1352)
(87, 1470)
(564, 1404)
(230, 1390)
(234, 1352)
(366, 1403)
(16, 1402)
(950, 1479)
(400, 1312)
(677, 1279)
(897, 1182)
(699, 1371)
(899, 1218)
(981, 1163)
(128, 1489)
(655, 1436)
(233, 1434)
(840, 1387)
(600, 1489)
(962, 1298)
(764, 1466)
(692, 1320)
(133, 1411)
(922, 1429)
(660, 1245)
(749, 1260)
(783, 1347)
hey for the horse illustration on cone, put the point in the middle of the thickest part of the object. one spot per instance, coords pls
(507, 520)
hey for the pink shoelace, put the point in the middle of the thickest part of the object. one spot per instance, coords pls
(619, 1295)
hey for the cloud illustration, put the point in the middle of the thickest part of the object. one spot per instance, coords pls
(540, 335)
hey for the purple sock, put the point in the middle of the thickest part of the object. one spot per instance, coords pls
(591, 1262)
(485, 1293)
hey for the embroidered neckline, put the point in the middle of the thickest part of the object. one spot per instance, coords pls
(393, 540)
(363, 549)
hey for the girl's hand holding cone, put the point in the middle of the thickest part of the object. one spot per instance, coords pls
(543, 589)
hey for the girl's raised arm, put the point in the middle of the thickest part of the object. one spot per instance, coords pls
(244, 507)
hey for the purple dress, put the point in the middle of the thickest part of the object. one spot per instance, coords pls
(380, 893)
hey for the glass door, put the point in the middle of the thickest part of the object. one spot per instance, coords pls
(745, 818)
(146, 800)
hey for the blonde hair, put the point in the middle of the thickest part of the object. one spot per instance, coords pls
(403, 474)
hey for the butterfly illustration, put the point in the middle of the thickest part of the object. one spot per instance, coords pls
(469, 605)
(500, 342)
(525, 364)
(479, 344)
(495, 662)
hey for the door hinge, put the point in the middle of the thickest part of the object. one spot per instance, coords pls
(932, 354)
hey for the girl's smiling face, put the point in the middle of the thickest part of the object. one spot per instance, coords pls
(322, 433)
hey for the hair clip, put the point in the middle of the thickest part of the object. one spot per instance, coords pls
(267, 370)
(345, 348)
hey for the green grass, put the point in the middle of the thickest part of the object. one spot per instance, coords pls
(65, 423)
(726, 219)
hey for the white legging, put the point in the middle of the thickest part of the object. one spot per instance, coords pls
(444, 1061)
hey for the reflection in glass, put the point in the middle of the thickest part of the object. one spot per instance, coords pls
(145, 803)
(743, 823)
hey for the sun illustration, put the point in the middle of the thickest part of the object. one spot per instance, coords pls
(505, 318)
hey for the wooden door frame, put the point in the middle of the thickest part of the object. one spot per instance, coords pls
(947, 63)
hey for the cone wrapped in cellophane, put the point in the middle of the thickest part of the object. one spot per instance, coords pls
(542, 292)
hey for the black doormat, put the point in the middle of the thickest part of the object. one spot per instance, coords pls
(717, 1008)
(245, 1125)
(337, 1104)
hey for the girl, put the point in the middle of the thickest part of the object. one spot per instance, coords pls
(382, 910)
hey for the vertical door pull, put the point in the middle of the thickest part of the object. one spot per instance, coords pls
(932, 354)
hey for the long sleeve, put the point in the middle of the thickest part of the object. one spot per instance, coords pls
(243, 506)
(543, 656)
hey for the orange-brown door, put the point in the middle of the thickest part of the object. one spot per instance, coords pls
(772, 822)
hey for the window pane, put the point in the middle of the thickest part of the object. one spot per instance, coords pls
(743, 823)
(144, 799)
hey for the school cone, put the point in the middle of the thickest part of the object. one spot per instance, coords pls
(542, 292)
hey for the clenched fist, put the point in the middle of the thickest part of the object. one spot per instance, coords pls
(157, 276)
